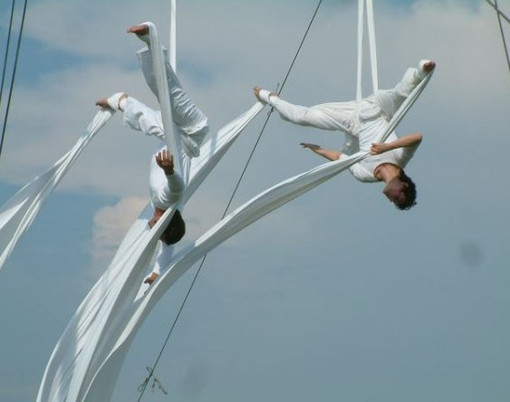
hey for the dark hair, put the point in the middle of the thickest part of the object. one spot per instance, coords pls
(175, 230)
(409, 191)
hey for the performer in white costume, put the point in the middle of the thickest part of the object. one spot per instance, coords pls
(364, 124)
(165, 184)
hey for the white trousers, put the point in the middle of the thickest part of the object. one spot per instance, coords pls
(187, 116)
(365, 124)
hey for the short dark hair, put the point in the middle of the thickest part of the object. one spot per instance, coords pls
(175, 230)
(409, 192)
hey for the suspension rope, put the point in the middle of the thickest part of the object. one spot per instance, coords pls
(7, 45)
(496, 8)
(143, 386)
(501, 15)
(6, 116)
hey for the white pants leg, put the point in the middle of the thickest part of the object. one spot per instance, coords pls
(186, 115)
(327, 116)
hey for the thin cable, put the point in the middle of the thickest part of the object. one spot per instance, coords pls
(143, 386)
(7, 50)
(495, 7)
(500, 16)
(13, 75)
(502, 34)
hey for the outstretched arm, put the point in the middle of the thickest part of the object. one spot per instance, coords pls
(329, 154)
(406, 141)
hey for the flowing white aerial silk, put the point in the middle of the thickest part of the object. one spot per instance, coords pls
(118, 325)
(172, 137)
(87, 359)
(102, 386)
(172, 53)
(18, 213)
(102, 316)
(372, 49)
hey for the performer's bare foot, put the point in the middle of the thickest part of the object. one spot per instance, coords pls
(103, 102)
(151, 278)
(139, 29)
(257, 90)
(429, 66)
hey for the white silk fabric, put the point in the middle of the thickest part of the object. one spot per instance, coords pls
(101, 387)
(72, 371)
(18, 213)
(86, 361)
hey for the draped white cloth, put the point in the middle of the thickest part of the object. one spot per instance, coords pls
(18, 213)
(86, 362)
(87, 359)
(105, 312)
(260, 205)
(101, 387)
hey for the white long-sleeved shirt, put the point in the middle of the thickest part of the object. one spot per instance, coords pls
(164, 190)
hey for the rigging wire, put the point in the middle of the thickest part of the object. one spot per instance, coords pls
(14, 69)
(501, 15)
(143, 386)
(7, 45)
(496, 8)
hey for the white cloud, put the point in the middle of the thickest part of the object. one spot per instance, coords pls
(110, 225)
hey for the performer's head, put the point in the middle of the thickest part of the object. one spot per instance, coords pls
(174, 231)
(401, 191)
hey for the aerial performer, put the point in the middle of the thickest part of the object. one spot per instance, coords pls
(363, 123)
(165, 183)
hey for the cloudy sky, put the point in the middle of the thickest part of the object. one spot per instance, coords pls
(337, 295)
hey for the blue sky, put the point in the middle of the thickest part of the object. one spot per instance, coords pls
(336, 296)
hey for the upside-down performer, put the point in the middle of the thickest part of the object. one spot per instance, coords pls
(165, 184)
(364, 122)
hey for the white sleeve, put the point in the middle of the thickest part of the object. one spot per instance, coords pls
(164, 258)
(362, 173)
(406, 154)
(140, 117)
(175, 183)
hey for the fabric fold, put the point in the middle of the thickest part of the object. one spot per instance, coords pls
(18, 213)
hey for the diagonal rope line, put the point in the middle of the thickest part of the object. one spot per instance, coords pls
(502, 34)
(7, 46)
(500, 16)
(13, 75)
(495, 7)
(143, 386)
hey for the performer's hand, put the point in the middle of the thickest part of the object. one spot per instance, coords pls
(313, 147)
(378, 148)
(165, 161)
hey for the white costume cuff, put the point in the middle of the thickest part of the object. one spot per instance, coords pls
(115, 103)
(175, 183)
(264, 95)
